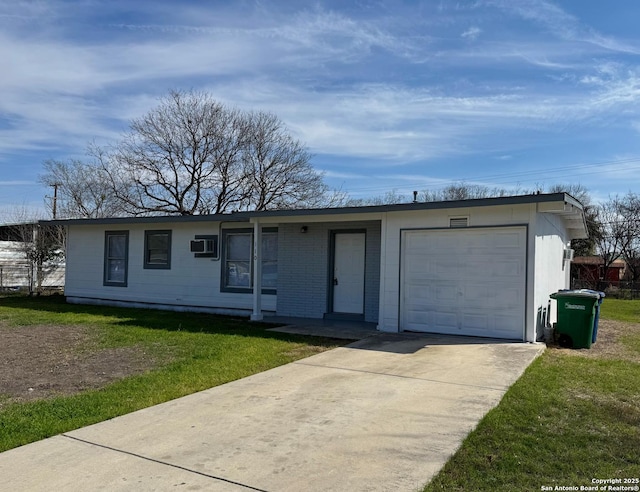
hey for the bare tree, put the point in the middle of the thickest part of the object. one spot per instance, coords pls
(455, 191)
(628, 229)
(463, 191)
(576, 190)
(82, 190)
(182, 157)
(277, 167)
(389, 198)
(193, 155)
(609, 239)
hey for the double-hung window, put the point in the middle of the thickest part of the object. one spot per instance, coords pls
(116, 253)
(157, 249)
(237, 264)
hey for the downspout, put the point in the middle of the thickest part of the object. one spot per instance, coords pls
(256, 315)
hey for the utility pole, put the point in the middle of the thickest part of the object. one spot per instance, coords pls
(55, 199)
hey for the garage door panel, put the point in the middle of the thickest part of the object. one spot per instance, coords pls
(442, 269)
(469, 282)
(446, 321)
(478, 242)
(474, 296)
(509, 299)
(507, 239)
(475, 322)
(505, 323)
(508, 268)
(420, 318)
(421, 283)
(421, 296)
(445, 293)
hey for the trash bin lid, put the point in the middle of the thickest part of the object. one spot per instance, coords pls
(594, 294)
(600, 294)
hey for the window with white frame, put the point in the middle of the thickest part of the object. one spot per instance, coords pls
(116, 252)
(237, 264)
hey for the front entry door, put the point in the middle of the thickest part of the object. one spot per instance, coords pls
(348, 272)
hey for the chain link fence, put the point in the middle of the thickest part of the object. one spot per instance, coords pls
(620, 289)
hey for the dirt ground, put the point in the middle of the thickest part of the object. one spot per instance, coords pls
(42, 361)
(608, 344)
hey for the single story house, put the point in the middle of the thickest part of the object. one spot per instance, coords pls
(480, 267)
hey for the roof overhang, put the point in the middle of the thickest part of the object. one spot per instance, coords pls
(154, 219)
(561, 204)
(572, 214)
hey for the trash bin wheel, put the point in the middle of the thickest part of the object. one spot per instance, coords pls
(565, 341)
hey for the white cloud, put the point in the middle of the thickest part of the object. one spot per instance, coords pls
(561, 23)
(394, 87)
(471, 33)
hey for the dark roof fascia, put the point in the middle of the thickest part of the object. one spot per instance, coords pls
(401, 207)
(20, 224)
(475, 202)
(158, 219)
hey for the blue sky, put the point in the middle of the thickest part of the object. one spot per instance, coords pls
(386, 95)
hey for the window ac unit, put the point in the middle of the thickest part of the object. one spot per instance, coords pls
(197, 246)
(205, 246)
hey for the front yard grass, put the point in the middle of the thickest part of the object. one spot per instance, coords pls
(189, 352)
(572, 417)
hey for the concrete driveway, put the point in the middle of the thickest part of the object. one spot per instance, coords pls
(384, 413)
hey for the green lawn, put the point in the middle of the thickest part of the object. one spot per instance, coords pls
(196, 351)
(621, 310)
(572, 417)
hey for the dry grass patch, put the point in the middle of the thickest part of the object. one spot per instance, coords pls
(616, 340)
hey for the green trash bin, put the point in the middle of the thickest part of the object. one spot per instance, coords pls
(576, 317)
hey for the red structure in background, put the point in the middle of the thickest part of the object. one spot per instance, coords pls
(588, 272)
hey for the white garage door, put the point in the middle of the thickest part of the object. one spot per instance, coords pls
(464, 282)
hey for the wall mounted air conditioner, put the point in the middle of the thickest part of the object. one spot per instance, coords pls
(197, 246)
(205, 246)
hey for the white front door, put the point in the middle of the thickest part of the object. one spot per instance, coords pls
(348, 273)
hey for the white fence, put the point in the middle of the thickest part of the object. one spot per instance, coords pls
(16, 273)
(23, 277)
